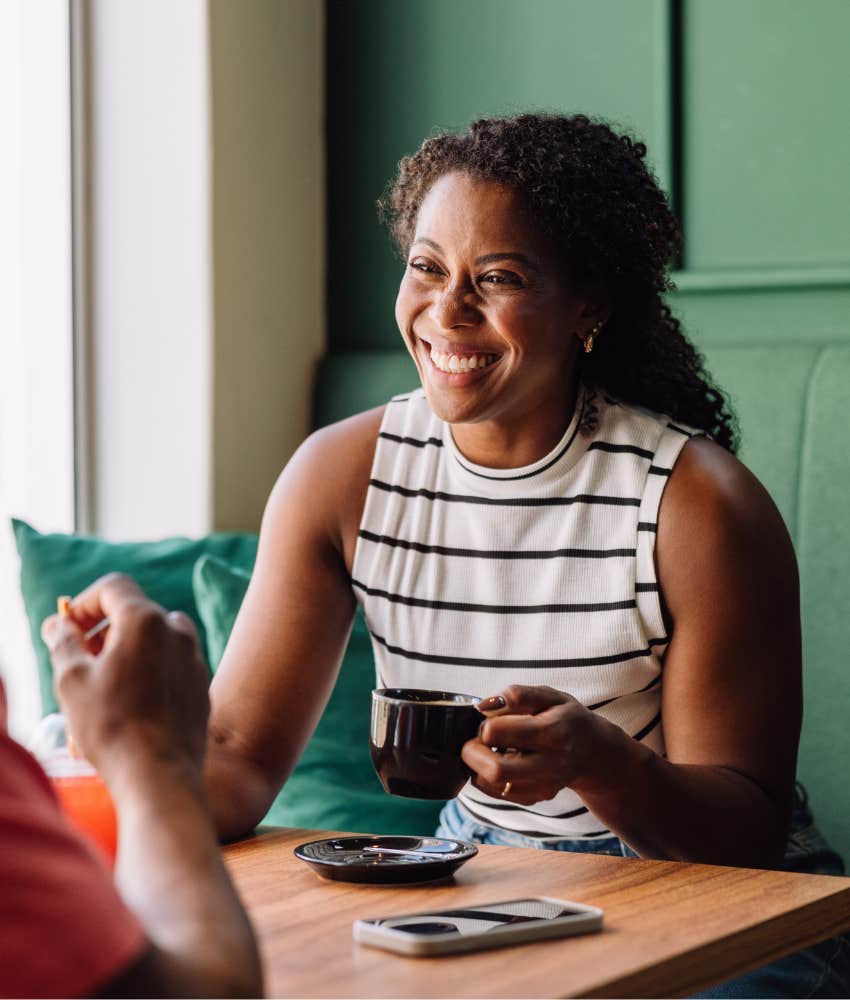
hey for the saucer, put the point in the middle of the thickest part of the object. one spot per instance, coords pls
(385, 859)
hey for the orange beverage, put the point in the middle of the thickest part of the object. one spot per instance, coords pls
(88, 804)
(84, 797)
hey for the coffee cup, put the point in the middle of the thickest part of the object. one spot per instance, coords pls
(416, 740)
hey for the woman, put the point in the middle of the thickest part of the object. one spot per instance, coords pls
(556, 513)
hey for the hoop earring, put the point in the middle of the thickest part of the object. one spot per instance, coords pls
(588, 340)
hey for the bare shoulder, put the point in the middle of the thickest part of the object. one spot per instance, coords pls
(324, 484)
(346, 447)
(719, 529)
(711, 482)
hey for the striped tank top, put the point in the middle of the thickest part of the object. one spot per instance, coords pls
(473, 578)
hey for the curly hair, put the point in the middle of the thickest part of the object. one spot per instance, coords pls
(590, 190)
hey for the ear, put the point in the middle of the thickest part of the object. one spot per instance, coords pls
(592, 316)
(595, 308)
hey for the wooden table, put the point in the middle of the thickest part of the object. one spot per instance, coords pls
(671, 929)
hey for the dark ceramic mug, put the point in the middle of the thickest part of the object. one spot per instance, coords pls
(416, 740)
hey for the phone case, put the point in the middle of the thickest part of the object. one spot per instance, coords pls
(587, 921)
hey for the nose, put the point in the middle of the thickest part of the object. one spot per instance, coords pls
(455, 306)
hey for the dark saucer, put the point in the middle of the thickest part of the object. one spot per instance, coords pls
(385, 860)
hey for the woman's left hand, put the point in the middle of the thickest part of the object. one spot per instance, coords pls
(534, 742)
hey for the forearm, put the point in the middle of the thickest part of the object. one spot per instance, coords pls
(682, 812)
(171, 874)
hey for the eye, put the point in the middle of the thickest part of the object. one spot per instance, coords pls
(501, 278)
(424, 266)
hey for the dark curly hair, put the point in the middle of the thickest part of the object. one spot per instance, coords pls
(591, 191)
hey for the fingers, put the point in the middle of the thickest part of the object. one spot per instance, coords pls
(493, 772)
(522, 732)
(495, 768)
(108, 597)
(185, 627)
(48, 627)
(61, 636)
(519, 716)
(521, 699)
(67, 650)
(181, 622)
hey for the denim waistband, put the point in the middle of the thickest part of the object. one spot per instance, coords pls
(806, 851)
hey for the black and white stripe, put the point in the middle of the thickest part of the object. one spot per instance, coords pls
(472, 579)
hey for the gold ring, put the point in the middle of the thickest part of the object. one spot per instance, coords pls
(506, 791)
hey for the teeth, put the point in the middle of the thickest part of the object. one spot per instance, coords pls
(453, 363)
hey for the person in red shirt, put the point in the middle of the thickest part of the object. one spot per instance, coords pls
(171, 923)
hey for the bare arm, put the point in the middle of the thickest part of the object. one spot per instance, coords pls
(284, 653)
(731, 694)
(171, 875)
(137, 707)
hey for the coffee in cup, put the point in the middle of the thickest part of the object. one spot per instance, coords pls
(416, 740)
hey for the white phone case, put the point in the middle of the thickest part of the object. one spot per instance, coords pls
(378, 934)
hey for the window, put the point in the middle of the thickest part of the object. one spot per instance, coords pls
(36, 327)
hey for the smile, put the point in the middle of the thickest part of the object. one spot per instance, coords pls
(453, 363)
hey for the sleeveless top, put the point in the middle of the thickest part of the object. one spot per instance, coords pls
(472, 578)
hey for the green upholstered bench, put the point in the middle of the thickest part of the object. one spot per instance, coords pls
(790, 402)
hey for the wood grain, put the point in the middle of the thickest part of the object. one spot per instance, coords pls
(670, 928)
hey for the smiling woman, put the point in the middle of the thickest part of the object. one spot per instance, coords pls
(554, 522)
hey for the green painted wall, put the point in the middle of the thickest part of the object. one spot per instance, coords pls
(399, 70)
(742, 101)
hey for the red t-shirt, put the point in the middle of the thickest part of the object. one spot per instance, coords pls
(64, 931)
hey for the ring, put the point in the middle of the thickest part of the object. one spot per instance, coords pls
(506, 791)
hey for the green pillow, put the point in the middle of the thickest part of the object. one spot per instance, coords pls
(334, 786)
(52, 565)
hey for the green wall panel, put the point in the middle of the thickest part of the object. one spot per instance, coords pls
(398, 71)
(766, 139)
(773, 315)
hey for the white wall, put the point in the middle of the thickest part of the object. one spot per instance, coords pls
(150, 339)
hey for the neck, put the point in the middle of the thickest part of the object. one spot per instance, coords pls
(513, 444)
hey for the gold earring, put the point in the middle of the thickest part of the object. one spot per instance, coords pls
(588, 340)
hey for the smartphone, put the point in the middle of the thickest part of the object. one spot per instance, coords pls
(472, 928)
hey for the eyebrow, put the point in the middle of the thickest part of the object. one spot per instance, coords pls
(487, 258)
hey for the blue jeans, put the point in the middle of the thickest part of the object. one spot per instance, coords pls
(820, 971)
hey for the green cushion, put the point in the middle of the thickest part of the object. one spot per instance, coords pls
(334, 786)
(55, 564)
(823, 550)
(791, 402)
(768, 388)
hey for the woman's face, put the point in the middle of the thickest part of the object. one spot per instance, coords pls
(486, 309)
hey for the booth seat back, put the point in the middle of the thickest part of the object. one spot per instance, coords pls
(792, 404)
